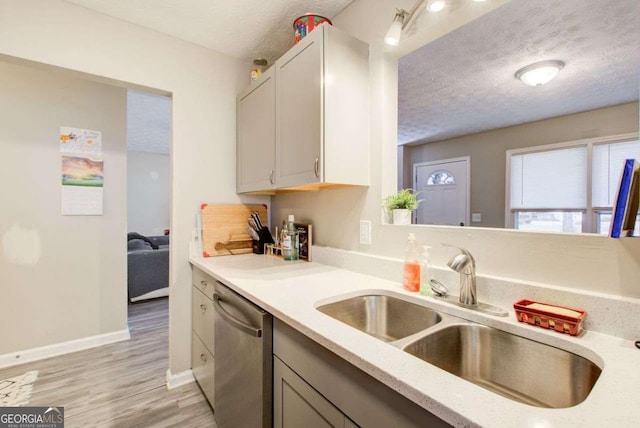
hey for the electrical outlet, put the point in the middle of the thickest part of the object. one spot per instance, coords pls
(476, 217)
(365, 232)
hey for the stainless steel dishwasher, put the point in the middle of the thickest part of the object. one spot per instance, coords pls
(243, 368)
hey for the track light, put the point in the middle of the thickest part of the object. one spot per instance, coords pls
(435, 5)
(392, 38)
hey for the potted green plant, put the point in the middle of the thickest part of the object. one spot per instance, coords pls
(401, 204)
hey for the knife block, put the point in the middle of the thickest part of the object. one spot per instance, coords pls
(265, 238)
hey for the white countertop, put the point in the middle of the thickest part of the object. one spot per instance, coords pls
(290, 291)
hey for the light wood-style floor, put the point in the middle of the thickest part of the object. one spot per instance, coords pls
(120, 385)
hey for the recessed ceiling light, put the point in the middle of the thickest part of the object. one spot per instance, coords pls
(435, 5)
(539, 73)
(479, 1)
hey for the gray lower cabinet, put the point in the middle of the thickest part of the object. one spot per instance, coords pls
(313, 387)
(297, 404)
(202, 331)
(202, 366)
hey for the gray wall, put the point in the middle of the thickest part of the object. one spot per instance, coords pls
(61, 277)
(148, 190)
(488, 151)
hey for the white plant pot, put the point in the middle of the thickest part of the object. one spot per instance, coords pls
(401, 217)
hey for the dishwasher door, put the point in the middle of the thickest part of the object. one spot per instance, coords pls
(243, 368)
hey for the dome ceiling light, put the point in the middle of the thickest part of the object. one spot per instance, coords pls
(539, 73)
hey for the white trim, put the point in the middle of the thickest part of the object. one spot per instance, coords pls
(467, 160)
(160, 292)
(40, 353)
(179, 379)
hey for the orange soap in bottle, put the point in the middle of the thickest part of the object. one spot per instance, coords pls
(412, 277)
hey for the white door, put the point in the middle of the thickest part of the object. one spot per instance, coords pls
(444, 190)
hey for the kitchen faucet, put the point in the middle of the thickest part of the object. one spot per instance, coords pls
(465, 265)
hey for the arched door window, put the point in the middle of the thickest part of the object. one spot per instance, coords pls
(440, 177)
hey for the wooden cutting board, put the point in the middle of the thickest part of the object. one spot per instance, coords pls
(224, 228)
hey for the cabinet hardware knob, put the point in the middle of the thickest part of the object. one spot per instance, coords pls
(204, 283)
(271, 177)
(316, 167)
(203, 357)
(203, 307)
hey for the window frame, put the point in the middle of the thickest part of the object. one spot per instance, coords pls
(590, 213)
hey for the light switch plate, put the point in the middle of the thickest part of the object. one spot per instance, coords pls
(365, 232)
(476, 217)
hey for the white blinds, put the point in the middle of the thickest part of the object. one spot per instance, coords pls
(608, 160)
(551, 179)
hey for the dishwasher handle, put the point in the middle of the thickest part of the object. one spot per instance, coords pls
(246, 328)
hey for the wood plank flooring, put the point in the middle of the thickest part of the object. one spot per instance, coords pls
(122, 384)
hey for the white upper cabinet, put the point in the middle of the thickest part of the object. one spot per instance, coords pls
(321, 117)
(256, 118)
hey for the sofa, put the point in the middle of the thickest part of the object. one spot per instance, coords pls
(147, 266)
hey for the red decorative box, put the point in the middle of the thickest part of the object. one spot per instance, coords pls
(546, 315)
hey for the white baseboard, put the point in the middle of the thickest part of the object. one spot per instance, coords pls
(40, 353)
(179, 379)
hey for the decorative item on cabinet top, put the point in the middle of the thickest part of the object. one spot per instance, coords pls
(306, 24)
(222, 228)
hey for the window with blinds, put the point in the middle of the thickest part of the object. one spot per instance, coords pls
(548, 187)
(608, 160)
(551, 179)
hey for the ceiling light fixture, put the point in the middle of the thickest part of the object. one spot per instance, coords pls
(539, 73)
(479, 1)
(402, 20)
(392, 38)
(435, 5)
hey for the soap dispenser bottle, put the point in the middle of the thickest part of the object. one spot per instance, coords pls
(411, 278)
(425, 271)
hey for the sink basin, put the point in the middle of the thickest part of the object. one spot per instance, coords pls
(509, 365)
(384, 317)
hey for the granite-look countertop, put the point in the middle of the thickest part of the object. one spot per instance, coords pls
(290, 291)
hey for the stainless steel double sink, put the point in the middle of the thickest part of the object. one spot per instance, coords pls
(517, 368)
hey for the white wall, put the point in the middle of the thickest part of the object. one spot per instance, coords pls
(575, 261)
(61, 277)
(203, 85)
(148, 189)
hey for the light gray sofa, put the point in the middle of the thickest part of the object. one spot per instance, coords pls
(147, 268)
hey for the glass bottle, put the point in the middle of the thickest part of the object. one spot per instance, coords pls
(290, 241)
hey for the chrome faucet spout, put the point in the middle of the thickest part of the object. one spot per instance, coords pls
(465, 265)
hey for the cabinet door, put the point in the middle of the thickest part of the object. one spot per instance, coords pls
(202, 367)
(202, 318)
(257, 135)
(202, 281)
(297, 404)
(299, 113)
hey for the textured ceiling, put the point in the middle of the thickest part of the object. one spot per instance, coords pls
(148, 122)
(245, 29)
(464, 83)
